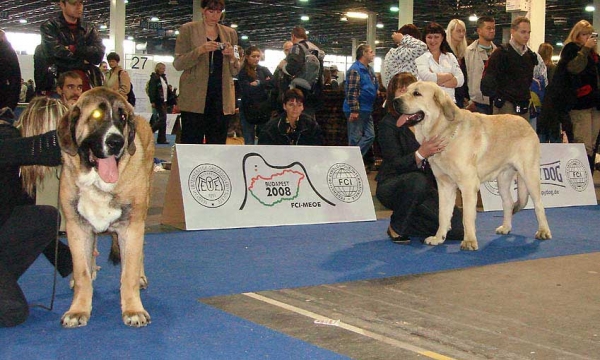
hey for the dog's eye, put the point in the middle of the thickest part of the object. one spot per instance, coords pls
(416, 93)
(122, 115)
(97, 114)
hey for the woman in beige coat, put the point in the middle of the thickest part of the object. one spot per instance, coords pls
(204, 51)
(116, 78)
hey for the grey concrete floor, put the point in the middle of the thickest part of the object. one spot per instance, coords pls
(538, 309)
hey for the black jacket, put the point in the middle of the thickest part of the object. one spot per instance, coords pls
(275, 132)
(16, 151)
(255, 94)
(57, 37)
(155, 90)
(10, 76)
(398, 146)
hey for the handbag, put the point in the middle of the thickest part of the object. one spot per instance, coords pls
(257, 113)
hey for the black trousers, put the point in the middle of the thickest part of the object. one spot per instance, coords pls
(212, 125)
(413, 198)
(29, 231)
(161, 124)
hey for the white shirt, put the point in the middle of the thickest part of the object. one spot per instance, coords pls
(427, 69)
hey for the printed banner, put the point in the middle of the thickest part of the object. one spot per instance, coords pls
(222, 186)
(565, 176)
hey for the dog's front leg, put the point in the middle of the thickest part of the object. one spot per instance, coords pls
(81, 243)
(131, 242)
(447, 199)
(469, 197)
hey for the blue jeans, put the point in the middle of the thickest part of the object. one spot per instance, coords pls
(361, 132)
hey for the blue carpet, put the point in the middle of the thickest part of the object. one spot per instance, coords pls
(185, 266)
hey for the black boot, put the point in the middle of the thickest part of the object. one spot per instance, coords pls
(13, 305)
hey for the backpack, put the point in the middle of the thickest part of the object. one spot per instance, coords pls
(310, 77)
(131, 94)
(44, 72)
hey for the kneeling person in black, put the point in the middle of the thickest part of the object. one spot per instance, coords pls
(405, 182)
(292, 127)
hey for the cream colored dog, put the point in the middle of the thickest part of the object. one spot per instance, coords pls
(107, 155)
(478, 148)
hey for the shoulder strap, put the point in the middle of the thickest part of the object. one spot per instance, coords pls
(119, 77)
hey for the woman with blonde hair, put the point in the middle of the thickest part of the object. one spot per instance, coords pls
(457, 39)
(27, 230)
(42, 115)
(580, 55)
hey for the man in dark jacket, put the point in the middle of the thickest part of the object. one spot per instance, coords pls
(10, 74)
(70, 44)
(158, 92)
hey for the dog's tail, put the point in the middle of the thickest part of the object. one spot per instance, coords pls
(522, 195)
(115, 252)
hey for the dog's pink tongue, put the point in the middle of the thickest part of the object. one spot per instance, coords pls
(107, 169)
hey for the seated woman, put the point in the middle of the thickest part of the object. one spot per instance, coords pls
(26, 230)
(405, 182)
(292, 127)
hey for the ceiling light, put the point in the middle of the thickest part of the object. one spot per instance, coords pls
(394, 9)
(304, 18)
(130, 38)
(343, 18)
(303, 0)
(357, 15)
(176, 32)
(23, 21)
(154, 19)
(379, 25)
(377, 42)
(307, 32)
(234, 26)
(244, 37)
(473, 18)
(559, 43)
(103, 27)
(590, 8)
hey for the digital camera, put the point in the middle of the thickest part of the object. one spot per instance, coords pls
(221, 46)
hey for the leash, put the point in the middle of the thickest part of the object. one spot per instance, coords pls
(55, 274)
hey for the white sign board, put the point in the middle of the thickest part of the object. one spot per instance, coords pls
(517, 5)
(223, 186)
(565, 177)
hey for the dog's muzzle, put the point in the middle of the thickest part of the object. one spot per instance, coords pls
(412, 119)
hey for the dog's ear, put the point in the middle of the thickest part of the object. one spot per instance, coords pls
(443, 100)
(131, 134)
(66, 131)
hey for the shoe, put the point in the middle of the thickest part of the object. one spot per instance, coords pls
(396, 238)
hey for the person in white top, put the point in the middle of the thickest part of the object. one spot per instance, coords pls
(439, 65)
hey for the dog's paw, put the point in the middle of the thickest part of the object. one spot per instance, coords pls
(543, 234)
(469, 245)
(136, 318)
(503, 230)
(143, 282)
(74, 319)
(432, 240)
